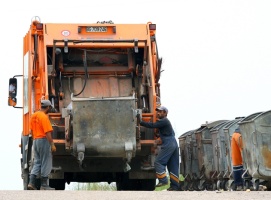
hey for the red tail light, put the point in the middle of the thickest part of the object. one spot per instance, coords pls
(152, 27)
(39, 27)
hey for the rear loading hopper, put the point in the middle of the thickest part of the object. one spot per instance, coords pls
(104, 127)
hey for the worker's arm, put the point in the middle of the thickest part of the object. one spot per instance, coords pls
(47, 127)
(49, 137)
(240, 142)
(50, 140)
(157, 124)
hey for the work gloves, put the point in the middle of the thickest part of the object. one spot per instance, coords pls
(53, 147)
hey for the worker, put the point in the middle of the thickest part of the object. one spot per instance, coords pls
(237, 161)
(168, 156)
(43, 145)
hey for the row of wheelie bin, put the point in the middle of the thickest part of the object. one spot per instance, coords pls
(206, 153)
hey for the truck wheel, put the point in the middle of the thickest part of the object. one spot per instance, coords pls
(125, 184)
(129, 185)
(148, 184)
(58, 184)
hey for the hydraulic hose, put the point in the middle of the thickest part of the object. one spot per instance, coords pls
(86, 73)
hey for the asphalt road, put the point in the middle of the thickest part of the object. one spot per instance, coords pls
(133, 195)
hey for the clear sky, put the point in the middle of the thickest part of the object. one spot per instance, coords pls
(216, 58)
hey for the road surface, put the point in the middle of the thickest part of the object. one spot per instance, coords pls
(133, 195)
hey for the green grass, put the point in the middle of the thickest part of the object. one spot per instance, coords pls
(162, 188)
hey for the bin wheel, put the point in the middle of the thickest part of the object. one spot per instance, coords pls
(196, 185)
(256, 185)
(229, 185)
(185, 186)
(218, 185)
(214, 186)
(190, 186)
(223, 184)
(202, 186)
(226, 185)
(247, 184)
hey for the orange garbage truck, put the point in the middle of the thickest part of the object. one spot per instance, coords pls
(98, 77)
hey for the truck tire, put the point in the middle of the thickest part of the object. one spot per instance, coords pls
(126, 184)
(148, 184)
(58, 184)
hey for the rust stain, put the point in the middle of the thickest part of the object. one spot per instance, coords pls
(266, 156)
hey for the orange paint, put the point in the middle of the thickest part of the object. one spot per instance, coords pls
(266, 156)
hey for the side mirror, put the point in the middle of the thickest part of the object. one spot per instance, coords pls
(12, 101)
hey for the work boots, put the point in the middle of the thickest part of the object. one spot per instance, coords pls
(32, 181)
(44, 184)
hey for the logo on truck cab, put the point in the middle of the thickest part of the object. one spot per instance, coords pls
(65, 33)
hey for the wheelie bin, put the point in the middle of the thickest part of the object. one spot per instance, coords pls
(205, 154)
(190, 165)
(218, 142)
(256, 133)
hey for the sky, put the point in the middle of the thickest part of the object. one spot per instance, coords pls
(216, 59)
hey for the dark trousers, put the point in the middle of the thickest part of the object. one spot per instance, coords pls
(237, 175)
(168, 157)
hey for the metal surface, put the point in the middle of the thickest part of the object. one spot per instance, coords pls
(105, 126)
(182, 146)
(256, 134)
(189, 156)
(205, 150)
(218, 141)
(192, 167)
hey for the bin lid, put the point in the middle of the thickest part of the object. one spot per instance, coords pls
(219, 126)
(232, 123)
(186, 133)
(250, 118)
(209, 125)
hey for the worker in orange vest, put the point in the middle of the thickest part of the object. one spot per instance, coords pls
(237, 161)
(41, 130)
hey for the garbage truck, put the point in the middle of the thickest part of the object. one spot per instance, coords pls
(99, 77)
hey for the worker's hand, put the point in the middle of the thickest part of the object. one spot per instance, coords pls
(53, 147)
(158, 141)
